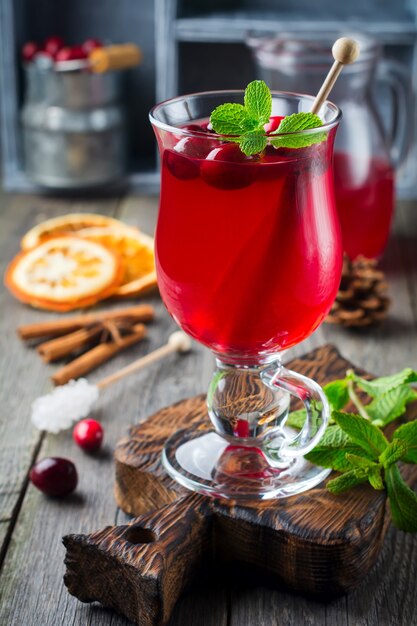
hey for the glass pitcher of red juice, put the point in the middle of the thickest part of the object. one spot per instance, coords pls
(368, 147)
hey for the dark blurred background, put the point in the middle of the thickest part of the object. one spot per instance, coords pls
(191, 46)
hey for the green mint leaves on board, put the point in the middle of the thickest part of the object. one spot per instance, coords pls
(355, 445)
(244, 124)
(403, 501)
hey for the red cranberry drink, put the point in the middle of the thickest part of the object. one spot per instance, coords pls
(365, 202)
(248, 247)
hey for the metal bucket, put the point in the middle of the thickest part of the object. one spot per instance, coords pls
(73, 128)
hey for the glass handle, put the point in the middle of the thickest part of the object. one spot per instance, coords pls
(394, 75)
(315, 403)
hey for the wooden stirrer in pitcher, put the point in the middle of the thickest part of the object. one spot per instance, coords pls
(345, 51)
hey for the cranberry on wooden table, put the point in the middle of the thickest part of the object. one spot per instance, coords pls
(88, 434)
(54, 476)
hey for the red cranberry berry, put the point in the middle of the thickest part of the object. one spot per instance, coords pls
(273, 124)
(207, 126)
(52, 45)
(194, 128)
(180, 166)
(88, 434)
(77, 52)
(182, 160)
(195, 147)
(242, 428)
(54, 476)
(70, 54)
(29, 50)
(91, 44)
(64, 54)
(226, 167)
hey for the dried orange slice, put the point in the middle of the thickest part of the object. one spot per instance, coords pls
(135, 248)
(64, 273)
(67, 225)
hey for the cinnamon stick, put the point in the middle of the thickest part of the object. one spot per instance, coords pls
(137, 287)
(55, 349)
(96, 356)
(57, 327)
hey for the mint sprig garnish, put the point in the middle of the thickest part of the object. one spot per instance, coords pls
(258, 101)
(355, 445)
(295, 123)
(232, 119)
(244, 123)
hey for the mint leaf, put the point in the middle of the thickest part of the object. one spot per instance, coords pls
(369, 437)
(334, 437)
(356, 460)
(384, 384)
(337, 458)
(337, 393)
(403, 500)
(296, 419)
(347, 481)
(396, 451)
(252, 143)
(295, 123)
(232, 119)
(298, 121)
(408, 433)
(375, 478)
(387, 407)
(258, 101)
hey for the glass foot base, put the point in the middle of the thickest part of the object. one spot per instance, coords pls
(207, 463)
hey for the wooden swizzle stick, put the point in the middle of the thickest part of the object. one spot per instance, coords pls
(345, 51)
(177, 342)
(68, 403)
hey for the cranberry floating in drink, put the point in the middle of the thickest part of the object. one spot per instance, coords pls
(249, 255)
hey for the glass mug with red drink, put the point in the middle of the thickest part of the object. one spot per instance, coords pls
(248, 255)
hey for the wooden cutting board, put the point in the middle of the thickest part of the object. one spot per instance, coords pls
(313, 543)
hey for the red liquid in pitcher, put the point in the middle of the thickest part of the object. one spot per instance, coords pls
(365, 202)
(248, 249)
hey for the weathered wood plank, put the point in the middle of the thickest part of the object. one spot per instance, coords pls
(42, 522)
(140, 211)
(23, 377)
(33, 593)
(388, 594)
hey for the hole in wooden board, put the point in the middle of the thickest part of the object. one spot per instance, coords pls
(138, 534)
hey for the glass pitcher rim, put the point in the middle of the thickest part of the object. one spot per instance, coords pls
(316, 53)
(326, 126)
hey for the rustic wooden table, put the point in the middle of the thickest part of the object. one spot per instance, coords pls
(31, 526)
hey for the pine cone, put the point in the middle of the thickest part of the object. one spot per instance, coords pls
(362, 297)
